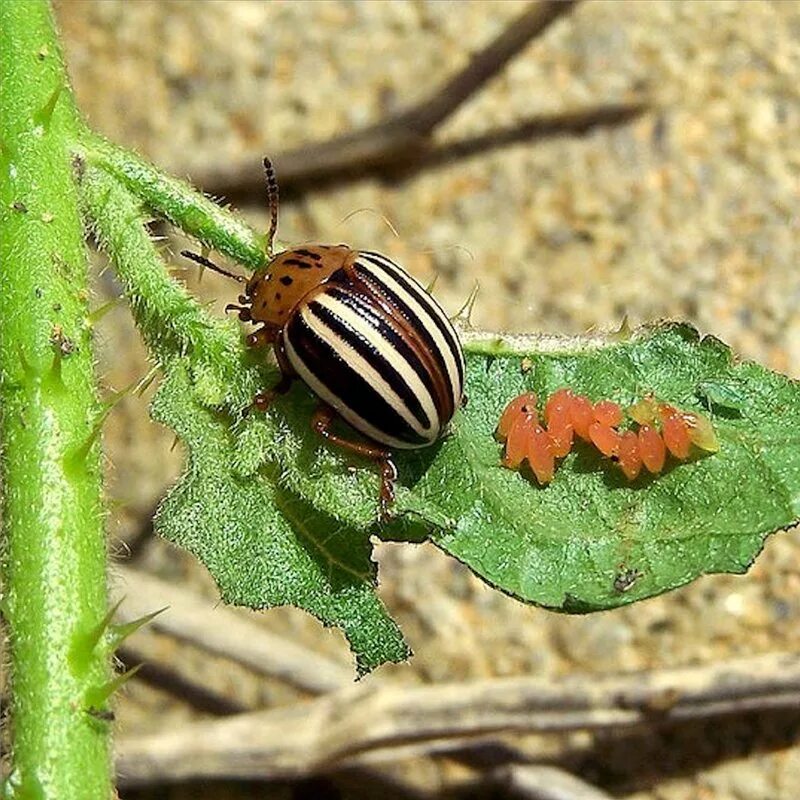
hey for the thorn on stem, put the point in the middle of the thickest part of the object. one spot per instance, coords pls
(84, 645)
(75, 458)
(96, 696)
(93, 317)
(118, 633)
(45, 113)
(464, 314)
(28, 369)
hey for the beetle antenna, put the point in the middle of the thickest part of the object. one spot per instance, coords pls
(202, 260)
(272, 199)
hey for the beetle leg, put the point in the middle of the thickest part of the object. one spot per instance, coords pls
(263, 400)
(244, 312)
(321, 422)
(262, 337)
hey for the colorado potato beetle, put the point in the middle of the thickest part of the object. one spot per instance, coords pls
(367, 339)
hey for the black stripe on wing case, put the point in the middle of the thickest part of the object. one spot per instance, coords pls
(374, 280)
(372, 354)
(425, 300)
(341, 380)
(390, 336)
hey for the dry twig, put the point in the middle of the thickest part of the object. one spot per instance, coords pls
(541, 782)
(370, 724)
(225, 632)
(406, 137)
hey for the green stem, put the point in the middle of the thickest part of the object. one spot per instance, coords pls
(170, 320)
(53, 549)
(179, 203)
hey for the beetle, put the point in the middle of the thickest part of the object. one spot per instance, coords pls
(363, 335)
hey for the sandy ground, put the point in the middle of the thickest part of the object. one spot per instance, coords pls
(690, 211)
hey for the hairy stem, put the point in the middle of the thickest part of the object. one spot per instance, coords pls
(179, 203)
(171, 321)
(53, 547)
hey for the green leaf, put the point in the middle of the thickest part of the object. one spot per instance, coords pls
(263, 493)
(571, 545)
(264, 545)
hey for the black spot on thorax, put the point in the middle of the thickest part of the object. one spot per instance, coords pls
(298, 262)
(309, 254)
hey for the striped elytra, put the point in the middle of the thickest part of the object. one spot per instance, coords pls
(366, 338)
(374, 345)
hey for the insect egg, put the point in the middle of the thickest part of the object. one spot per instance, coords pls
(561, 434)
(581, 416)
(557, 408)
(675, 432)
(517, 442)
(643, 412)
(652, 449)
(630, 459)
(524, 404)
(540, 455)
(605, 438)
(608, 413)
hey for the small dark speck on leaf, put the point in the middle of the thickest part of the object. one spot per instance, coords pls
(625, 580)
(78, 167)
(65, 345)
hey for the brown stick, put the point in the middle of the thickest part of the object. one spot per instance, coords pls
(368, 723)
(541, 782)
(483, 66)
(400, 136)
(225, 632)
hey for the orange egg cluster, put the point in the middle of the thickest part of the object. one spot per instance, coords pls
(662, 429)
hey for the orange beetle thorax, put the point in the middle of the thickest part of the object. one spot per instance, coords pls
(274, 292)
